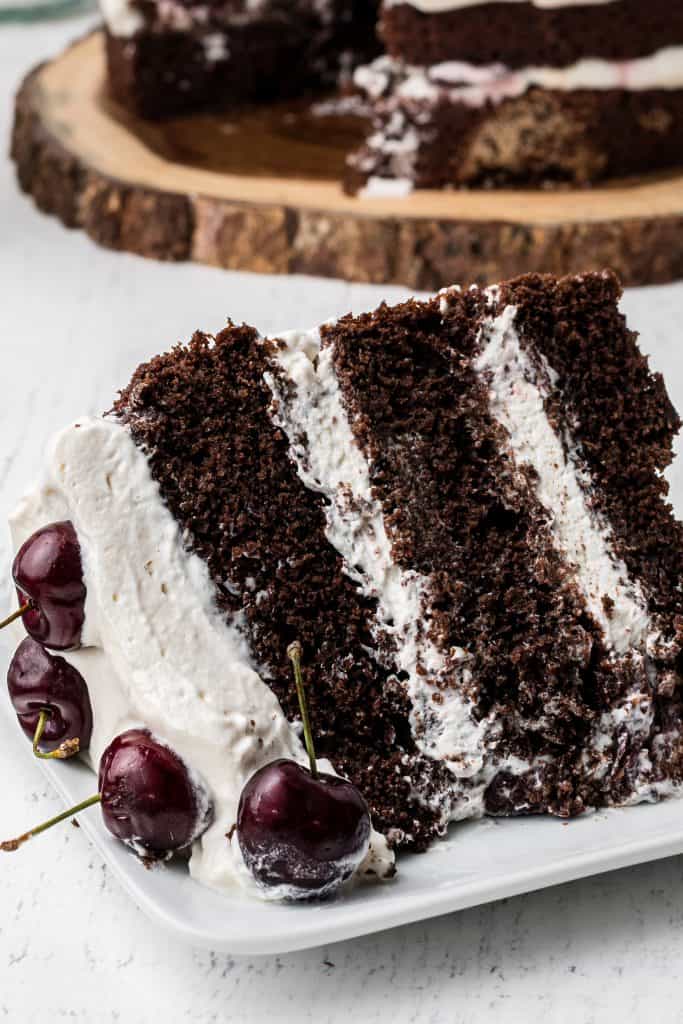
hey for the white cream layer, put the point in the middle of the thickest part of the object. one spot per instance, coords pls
(517, 399)
(518, 393)
(329, 461)
(439, 6)
(475, 85)
(162, 655)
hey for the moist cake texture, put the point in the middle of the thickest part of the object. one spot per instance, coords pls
(458, 507)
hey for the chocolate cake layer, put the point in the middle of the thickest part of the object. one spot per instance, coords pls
(183, 63)
(539, 137)
(522, 34)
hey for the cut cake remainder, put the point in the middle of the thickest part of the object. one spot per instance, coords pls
(456, 92)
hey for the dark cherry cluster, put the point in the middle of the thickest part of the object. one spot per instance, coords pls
(148, 798)
(48, 694)
(301, 832)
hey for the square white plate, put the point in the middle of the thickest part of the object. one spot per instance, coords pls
(479, 862)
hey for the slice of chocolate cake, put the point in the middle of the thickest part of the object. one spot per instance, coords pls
(457, 506)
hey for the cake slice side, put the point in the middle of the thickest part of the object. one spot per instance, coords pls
(617, 426)
(561, 640)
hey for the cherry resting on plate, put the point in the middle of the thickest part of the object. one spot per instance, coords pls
(149, 801)
(302, 833)
(51, 701)
(48, 575)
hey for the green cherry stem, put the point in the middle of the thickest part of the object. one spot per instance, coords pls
(17, 614)
(294, 655)
(66, 749)
(11, 845)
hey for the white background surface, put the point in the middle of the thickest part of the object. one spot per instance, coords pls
(74, 322)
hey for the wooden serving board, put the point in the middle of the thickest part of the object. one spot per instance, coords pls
(260, 191)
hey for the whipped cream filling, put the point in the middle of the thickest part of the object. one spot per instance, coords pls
(439, 6)
(518, 393)
(475, 85)
(161, 654)
(308, 406)
(310, 410)
(517, 398)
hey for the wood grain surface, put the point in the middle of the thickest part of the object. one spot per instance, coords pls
(261, 192)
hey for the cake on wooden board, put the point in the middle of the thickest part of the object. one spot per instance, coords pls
(466, 92)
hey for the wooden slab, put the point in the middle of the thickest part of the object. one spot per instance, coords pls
(261, 192)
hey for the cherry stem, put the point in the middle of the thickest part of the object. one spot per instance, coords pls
(10, 845)
(294, 655)
(66, 749)
(17, 614)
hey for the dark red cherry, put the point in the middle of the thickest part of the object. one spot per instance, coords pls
(45, 688)
(149, 800)
(48, 574)
(305, 834)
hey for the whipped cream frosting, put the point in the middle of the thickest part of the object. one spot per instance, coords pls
(160, 653)
(475, 85)
(439, 6)
(121, 17)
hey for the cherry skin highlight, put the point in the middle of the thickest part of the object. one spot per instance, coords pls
(148, 799)
(39, 681)
(48, 575)
(304, 834)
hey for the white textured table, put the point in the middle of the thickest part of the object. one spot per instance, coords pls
(74, 322)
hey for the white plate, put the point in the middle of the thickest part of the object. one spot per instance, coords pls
(479, 862)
